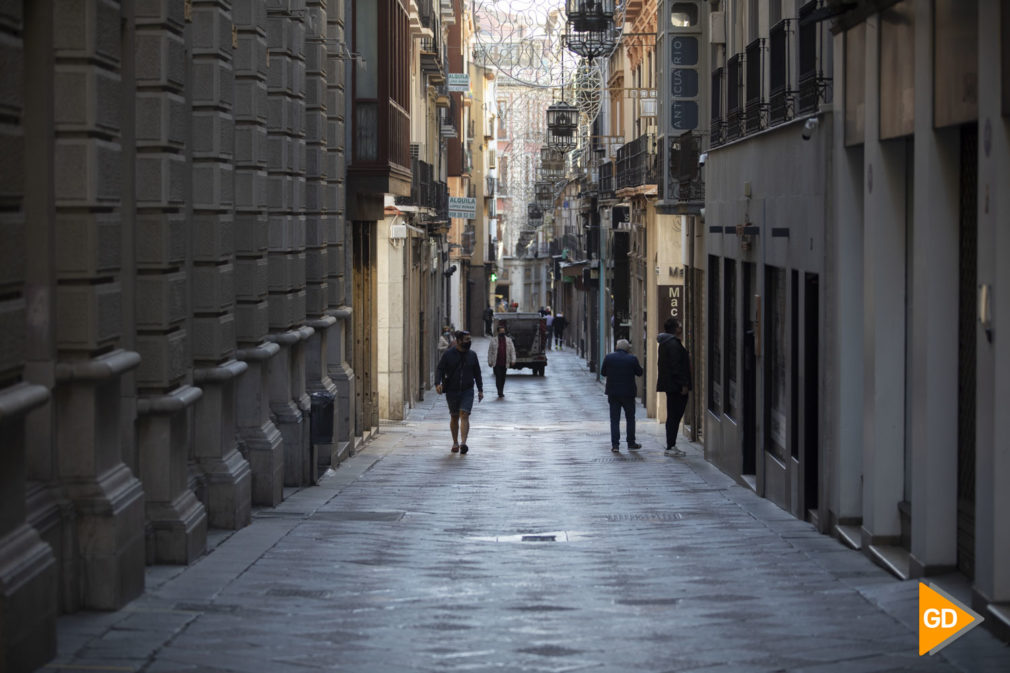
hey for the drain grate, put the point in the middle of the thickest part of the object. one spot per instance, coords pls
(356, 515)
(539, 538)
(205, 607)
(652, 516)
(281, 592)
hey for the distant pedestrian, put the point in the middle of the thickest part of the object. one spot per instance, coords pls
(456, 374)
(549, 320)
(621, 368)
(488, 318)
(674, 379)
(560, 323)
(445, 341)
(501, 353)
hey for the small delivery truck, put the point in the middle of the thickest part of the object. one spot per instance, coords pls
(529, 334)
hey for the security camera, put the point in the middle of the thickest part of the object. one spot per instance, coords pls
(809, 126)
(702, 158)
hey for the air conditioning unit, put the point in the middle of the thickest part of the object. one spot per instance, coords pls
(397, 231)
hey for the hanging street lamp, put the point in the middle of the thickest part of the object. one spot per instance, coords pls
(589, 15)
(590, 44)
(562, 121)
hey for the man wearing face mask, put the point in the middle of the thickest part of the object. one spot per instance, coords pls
(501, 353)
(457, 371)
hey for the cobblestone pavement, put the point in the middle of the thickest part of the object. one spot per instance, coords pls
(539, 551)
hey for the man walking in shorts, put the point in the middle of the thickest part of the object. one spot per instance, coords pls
(456, 374)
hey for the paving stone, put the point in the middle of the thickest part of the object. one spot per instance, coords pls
(540, 550)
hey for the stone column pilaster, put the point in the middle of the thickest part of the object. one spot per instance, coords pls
(177, 519)
(28, 570)
(338, 343)
(108, 498)
(87, 259)
(228, 478)
(286, 239)
(320, 222)
(289, 404)
(259, 438)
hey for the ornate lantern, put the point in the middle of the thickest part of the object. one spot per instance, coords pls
(590, 43)
(552, 158)
(534, 212)
(562, 121)
(545, 192)
(589, 15)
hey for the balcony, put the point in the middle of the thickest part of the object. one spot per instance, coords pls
(607, 180)
(813, 85)
(685, 173)
(636, 164)
(431, 60)
(489, 187)
(422, 187)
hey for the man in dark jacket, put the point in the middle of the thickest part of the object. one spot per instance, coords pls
(674, 379)
(621, 368)
(456, 373)
(560, 322)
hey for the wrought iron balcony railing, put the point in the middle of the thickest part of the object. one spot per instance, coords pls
(607, 180)
(636, 163)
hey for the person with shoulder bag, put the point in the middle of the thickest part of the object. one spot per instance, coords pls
(501, 354)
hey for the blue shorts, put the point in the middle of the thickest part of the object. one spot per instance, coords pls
(459, 401)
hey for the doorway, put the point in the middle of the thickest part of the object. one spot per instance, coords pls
(966, 368)
(366, 396)
(811, 392)
(749, 416)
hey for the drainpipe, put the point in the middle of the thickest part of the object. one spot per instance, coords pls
(689, 301)
(603, 290)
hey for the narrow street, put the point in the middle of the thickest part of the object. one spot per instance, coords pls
(539, 551)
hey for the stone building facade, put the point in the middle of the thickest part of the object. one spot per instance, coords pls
(175, 286)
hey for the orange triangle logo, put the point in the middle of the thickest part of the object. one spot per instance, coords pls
(942, 619)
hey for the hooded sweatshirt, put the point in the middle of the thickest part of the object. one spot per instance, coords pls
(674, 366)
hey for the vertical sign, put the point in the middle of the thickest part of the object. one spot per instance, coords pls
(684, 35)
(670, 302)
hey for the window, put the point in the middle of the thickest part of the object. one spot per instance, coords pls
(780, 96)
(714, 337)
(717, 118)
(734, 82)
(755, 79)
(502, 125)
(381, 118)
(812, 83)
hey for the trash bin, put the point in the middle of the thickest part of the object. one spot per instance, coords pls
(321, 420)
